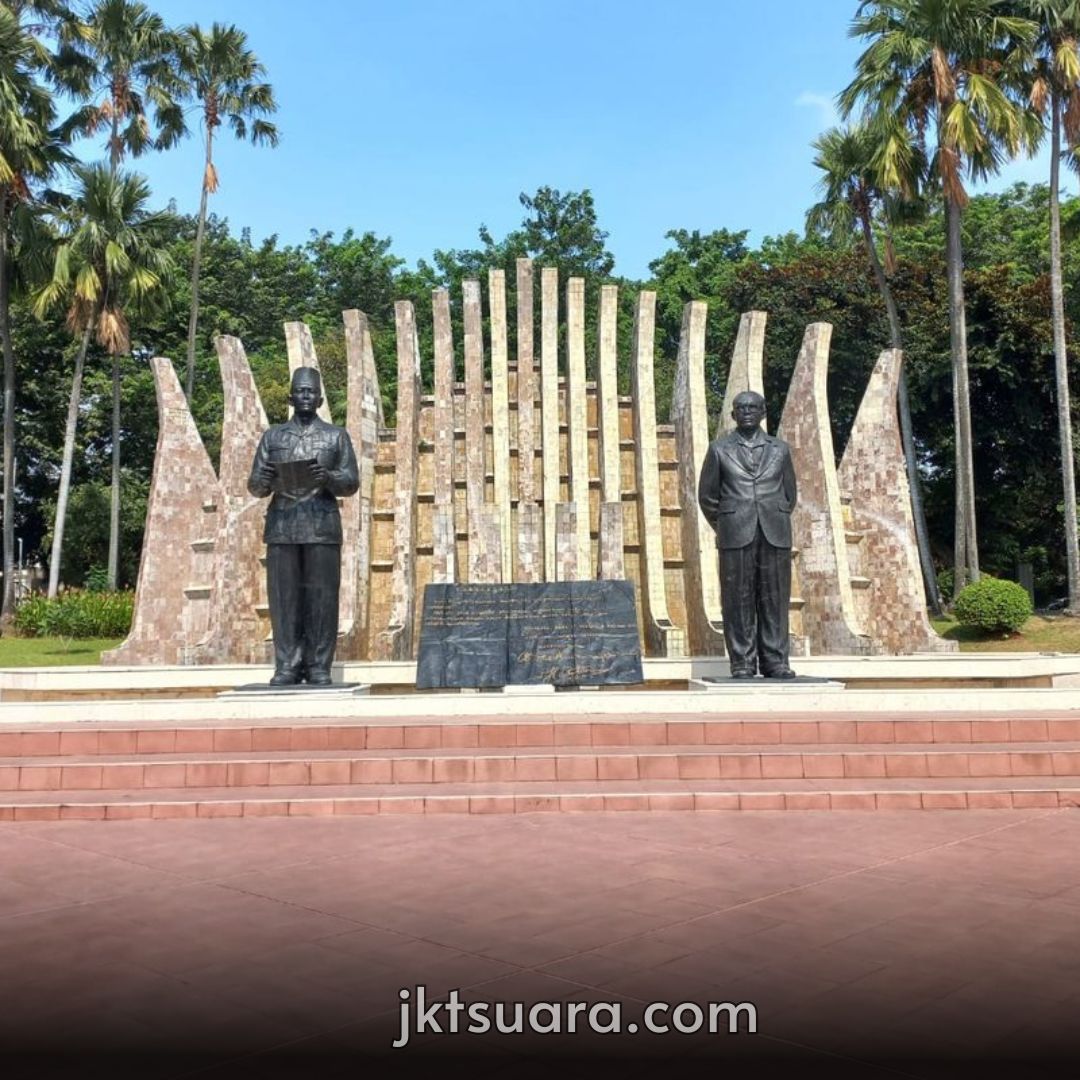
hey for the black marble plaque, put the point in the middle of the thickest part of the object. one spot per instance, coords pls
(568, 633)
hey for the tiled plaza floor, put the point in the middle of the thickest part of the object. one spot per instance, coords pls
(904, 943)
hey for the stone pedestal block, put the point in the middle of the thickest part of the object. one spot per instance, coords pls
(611, 566)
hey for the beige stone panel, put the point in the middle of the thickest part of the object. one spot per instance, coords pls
(525, 392)
(172, 595)
(607, 395)
(444, 547)
(690, 418)
(829, 616)
(500, 417)
(662, 637)
(530, 565)
(475, 467)
(444, 544)
(611, 562)
(549, 401)
(566, 543)
(747, 366)
(485, 546)
(363, 416)
(578, 420)
(301, 350)
(239, 624)
(873, 475)
(396, 641)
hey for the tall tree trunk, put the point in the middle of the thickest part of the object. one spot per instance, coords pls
(1061, 365)
(922, 535)
(114, 500)
(967, 547)
(66, 462)
(200, 231)
(8, 609)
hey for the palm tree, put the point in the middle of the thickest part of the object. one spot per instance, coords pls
(1056, 87)
(952, 68)
(30, 149)
(224, 75)
(109, 260)
(850, 200)
(131, 61)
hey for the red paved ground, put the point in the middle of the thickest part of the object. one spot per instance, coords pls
(936, 941)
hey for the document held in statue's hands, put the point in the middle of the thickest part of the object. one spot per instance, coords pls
(295, 474)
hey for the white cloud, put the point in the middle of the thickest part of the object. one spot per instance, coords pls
(824, 103)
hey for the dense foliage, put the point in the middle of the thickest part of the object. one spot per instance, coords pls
(993, 605)
(77, 613)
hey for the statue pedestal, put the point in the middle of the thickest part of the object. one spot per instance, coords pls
(301, 690)
(800, 684)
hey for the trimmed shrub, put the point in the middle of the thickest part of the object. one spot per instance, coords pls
(77, 614)
(993, 605)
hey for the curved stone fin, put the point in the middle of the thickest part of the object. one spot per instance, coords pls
(301, 350)
(577, 419)
(747, 370)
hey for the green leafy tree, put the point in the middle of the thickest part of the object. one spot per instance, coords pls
(950, 69)
(109, 260)
(226, 78)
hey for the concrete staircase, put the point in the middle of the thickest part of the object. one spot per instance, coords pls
(499, 765)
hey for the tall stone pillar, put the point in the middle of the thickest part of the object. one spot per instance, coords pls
(549, 392)
(444, 543)
(530, 538)
(610, 560)
(172, 597)
(239, 617)
(577, 418)
(301, 350)
(662, 637)
(747, 366)
(396, 641)
(690, 417)
(829, 618)
(500, 418)
(363, 419)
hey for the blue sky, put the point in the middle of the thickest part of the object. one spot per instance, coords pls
(419, 119)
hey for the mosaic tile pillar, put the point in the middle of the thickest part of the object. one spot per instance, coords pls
(396, 641)
(829, 618)
(873, 473)
(485, 547)
(689, 415)
(611, 566)
(577, 417)
(607, 395)
(747, 366)
(549, 400)
(526, 384)
(566, 542)
(500, 417)
(363, 416)
(475, 488)
(444, 542)
(301, 350)
(172, 595)
(662, 637)
(530, 565)
(239, 627)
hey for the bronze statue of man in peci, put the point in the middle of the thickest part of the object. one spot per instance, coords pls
(306, 464)
(747, 492)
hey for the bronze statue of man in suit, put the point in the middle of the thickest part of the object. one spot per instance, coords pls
(747, 492)
(306, 464)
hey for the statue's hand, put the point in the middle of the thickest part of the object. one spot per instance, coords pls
(319, 475)
(267, 474)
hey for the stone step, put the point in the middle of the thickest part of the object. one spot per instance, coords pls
(555, 764)
(568, 796)
(797, 729)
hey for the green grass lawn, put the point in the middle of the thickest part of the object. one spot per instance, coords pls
(52, 651)
(1055, 633)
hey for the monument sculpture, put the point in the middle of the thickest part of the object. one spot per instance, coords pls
(481, 479)
(305, 464)
(747, 491)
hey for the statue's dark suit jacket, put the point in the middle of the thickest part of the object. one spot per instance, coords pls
(735, 499)
(309, 514)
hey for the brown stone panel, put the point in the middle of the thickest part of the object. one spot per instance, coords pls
(577, 405)
(239, 627)
(474, 398)
(443, 529)
(526, 383)
(747, 366)
(396, 641)
(689, 415)
(363, 416)
(172, 596)
(873, 474)
(549, 396)
(301, 350)
(662, 637)
(829, 617)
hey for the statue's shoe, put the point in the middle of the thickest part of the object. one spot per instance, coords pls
(780, 673)
(742, 674)
(283, 678)
(319, 678)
